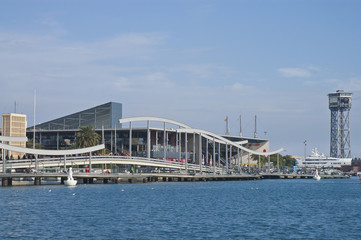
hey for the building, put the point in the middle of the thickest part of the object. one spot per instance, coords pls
(14, 125)
(60, 133)
(165, 142)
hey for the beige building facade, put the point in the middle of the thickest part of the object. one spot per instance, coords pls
(14, 125)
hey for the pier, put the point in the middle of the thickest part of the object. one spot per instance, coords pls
(91, 178)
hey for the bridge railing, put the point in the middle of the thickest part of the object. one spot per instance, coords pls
(59, 161)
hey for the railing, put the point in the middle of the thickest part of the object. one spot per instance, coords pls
(105, 159)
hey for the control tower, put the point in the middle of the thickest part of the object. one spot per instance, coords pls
(340, 105)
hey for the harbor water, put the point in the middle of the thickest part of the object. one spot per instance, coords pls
(266, 209)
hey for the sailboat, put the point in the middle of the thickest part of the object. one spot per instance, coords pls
(317, 176)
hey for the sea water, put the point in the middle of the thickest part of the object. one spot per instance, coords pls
(266, 209)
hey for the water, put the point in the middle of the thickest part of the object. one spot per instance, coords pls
(267, 209)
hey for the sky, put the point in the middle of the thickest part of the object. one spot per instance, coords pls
(194, 61)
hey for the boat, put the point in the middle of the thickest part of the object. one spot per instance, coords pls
(70, 181)
(317, 176)
(317, 160)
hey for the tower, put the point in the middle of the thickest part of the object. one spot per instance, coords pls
(340, 105)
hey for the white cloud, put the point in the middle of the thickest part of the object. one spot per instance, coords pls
(295, 72)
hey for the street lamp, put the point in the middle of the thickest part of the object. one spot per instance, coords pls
(305, 142)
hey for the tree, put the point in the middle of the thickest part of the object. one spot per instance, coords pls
(29, 144)
(284, 161)
(86, 137)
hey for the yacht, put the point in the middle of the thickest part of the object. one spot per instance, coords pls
(317, 160)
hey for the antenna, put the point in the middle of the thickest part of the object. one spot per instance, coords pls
(240, 126)
(227, 128)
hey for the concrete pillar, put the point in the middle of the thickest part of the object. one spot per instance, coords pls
(5, 182)
(132, 180)
(37, 181)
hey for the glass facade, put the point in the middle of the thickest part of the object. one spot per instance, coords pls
(102, 116)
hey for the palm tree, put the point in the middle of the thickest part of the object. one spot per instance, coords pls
(86, 137)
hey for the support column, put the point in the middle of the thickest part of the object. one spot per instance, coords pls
(238, 160)
(180, 146)
(36, 163)
(130, 139)
(249, 163)
(115, 139)
(148, 140)
(4, 160)
(90, 162)
(259, 162)
(230, 156)
(164, 139)
(278, 162)
(219, 154)
(186, 150)
(206, 159)
(269, 164)
(194, 148)
(37, 181)
(57, 140)
(214, 156)
(200, 153)
(65, 163)
(226, 157)
(156, 141)
(5, 182)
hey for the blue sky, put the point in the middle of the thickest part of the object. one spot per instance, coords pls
(192, 61)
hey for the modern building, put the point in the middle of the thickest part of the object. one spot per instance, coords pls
(14, 125)
(60, 133)
(165, 142)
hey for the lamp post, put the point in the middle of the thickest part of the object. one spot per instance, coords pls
(305, 142)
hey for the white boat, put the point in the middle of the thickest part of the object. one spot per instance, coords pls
(317, 176)
(70, 181)
(317, 160)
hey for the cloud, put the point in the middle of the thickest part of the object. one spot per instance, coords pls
(295, 72)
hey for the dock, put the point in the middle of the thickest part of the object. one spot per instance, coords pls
(116, 178)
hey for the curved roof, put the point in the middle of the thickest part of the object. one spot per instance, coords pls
(13, 139)
(208, 135)
(224, 140)
(158, 119)
(52, 152)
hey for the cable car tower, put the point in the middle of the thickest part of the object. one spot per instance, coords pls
(340, 105)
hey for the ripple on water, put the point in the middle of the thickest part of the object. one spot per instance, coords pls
(269, 209)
